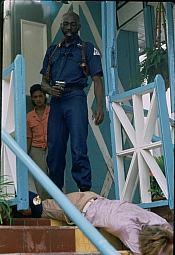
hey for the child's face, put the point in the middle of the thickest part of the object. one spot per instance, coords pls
(38, 98)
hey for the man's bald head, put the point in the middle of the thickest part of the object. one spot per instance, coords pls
(71, 14)
(70, 26)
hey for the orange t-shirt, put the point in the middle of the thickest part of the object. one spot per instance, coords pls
(37, 129)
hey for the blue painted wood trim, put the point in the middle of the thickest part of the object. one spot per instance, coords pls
(110, 70)
(154, 204)
(20, 129)
(149, 23)
(125, 96)
(7, 70)
(111, 53)
(104, 46)
(166, 137)
(171, 51)
(73, 213)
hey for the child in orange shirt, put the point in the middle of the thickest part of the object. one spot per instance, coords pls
(37, 133)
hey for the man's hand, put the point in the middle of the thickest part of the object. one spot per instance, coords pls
(56, 91)
(98, 114)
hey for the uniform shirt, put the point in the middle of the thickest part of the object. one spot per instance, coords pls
(37, 129)
(122, 219)
(66, 63)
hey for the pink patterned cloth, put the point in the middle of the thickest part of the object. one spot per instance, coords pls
(122, 219)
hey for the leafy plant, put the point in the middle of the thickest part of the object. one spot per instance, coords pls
(155, 61)
(154, 186)
(5, 211)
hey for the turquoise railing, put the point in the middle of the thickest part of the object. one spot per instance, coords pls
(73, 213)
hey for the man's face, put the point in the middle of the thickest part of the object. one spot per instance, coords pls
(70, 27)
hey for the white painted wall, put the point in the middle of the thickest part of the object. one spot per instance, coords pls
(7, 35)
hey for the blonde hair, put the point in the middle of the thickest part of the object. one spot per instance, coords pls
(156, 240)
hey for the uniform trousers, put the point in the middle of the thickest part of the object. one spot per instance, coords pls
(69, 116)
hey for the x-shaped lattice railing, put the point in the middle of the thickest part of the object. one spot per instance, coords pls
(136, 141)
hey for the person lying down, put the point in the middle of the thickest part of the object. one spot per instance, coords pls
(142, 231)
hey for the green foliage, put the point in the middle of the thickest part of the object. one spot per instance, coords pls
(154, 186)
(5, 211)
(155, 62)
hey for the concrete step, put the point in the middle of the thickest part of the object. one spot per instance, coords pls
(46, 236)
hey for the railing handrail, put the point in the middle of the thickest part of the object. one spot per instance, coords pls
(92, 233)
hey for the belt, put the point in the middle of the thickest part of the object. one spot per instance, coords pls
(86, 206)
(72, 87)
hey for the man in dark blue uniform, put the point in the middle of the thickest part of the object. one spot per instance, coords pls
(71, 62)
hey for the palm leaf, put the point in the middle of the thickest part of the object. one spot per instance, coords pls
(5, 211)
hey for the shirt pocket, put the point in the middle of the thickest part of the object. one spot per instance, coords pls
(75, 58)
(36, 129)
(55, 57)
(73, 64)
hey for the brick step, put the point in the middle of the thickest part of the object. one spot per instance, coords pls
(46, 236)
(31, 222)
(59, 253)
(69, 253)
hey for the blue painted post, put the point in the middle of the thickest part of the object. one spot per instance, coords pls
(109, 41)
(149, 23)
(104, 44)
(20, 129)
(111, 52)
(171, 52)
(166, 137)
